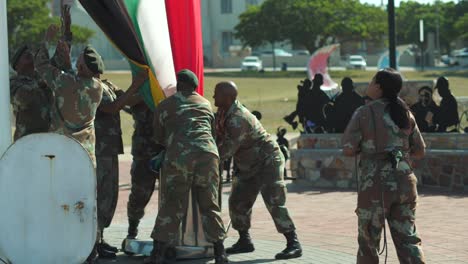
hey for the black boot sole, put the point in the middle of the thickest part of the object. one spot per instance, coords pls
(296, 254)
(240, 250)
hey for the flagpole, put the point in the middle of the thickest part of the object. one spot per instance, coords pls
(5, 123)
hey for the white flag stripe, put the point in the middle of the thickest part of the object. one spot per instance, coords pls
(151, 17)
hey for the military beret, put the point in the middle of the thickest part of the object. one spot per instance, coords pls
(17, 55)
(187, 76)
(93, 60)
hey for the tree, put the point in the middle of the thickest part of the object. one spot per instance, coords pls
(261, 25)
(461, 25)
(310, 23)
(28, 20)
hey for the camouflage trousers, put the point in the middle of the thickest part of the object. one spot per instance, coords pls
(198, 172)
(143, 180)
(269, 181)
(107, 173)
(399, 194)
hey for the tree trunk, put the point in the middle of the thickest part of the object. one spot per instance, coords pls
(274, 55)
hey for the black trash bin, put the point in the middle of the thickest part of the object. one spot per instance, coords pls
(284, 66)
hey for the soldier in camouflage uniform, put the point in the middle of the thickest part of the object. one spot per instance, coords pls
(385, 134)
(143, 178)
(30, 97)
(76, 97)
(184, 125)
(108, 146)
(260, 165)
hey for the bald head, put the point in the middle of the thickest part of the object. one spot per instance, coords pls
(225, 94)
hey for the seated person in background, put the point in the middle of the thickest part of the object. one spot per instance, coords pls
(345, 105)
(448, 110)
(315, 101)
(425, 109)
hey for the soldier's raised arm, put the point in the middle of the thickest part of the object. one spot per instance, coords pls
(45, 68)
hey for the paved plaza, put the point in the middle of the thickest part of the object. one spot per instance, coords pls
(326, 223)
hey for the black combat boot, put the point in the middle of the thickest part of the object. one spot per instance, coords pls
(132, 234)
(243, 245)
(133, 228)
(105, 246)
(220, 253)
(293, 247)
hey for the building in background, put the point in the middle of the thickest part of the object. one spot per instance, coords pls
(219, 17)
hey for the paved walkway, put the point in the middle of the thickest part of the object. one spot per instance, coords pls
(326, 226)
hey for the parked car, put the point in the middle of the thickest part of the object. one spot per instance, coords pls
(356, 62)
(251, 63)
(301, 52)
(278, 53)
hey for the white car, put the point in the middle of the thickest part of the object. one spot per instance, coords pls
(278, 53)
(356, 62)
(251, 63)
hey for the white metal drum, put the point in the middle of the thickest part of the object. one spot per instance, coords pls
(47, 201)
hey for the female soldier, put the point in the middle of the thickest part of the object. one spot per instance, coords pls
(385, 134)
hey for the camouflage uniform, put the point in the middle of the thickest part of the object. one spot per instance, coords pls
(31, 101)
(108, 146)
(385, 192)
(184, 124)
(260, 166)
(143, 149)
(75, 101)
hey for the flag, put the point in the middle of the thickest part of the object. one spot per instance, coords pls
(140, 30)
(318, 63)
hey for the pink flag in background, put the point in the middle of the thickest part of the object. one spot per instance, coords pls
(185, 31)
(318, 63)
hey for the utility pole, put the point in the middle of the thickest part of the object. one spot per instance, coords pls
(421, 39)
(391, 33)
(5, 123)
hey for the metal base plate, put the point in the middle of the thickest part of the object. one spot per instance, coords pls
(144, 247)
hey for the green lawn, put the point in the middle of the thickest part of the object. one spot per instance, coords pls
(275, 94)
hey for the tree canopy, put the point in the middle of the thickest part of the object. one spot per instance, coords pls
(310, 23)
(28, 20)
(315, 23)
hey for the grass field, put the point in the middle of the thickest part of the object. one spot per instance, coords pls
(275, 94)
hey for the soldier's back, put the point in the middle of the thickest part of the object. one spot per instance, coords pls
(257, 144)
(31, 102)
(188, 121)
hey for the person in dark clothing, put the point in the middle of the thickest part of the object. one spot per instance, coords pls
(315, 100)
(345, 105)
(425, 110)
(283, 144)
(303, 87)
(448, 110)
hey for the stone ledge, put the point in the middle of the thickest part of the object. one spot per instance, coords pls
(328, 168)
(440, 141)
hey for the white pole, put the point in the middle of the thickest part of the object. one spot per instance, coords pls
(421, 30)
(5, 123)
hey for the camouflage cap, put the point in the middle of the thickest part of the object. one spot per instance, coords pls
(187, 76)
(93, 60)
(20, 51)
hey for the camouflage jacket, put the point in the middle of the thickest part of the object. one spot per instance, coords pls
(31, 101)
(143, 144)
(360, 134)
(75, 101)
(244, 138)
(184, 124)
(107, 126)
